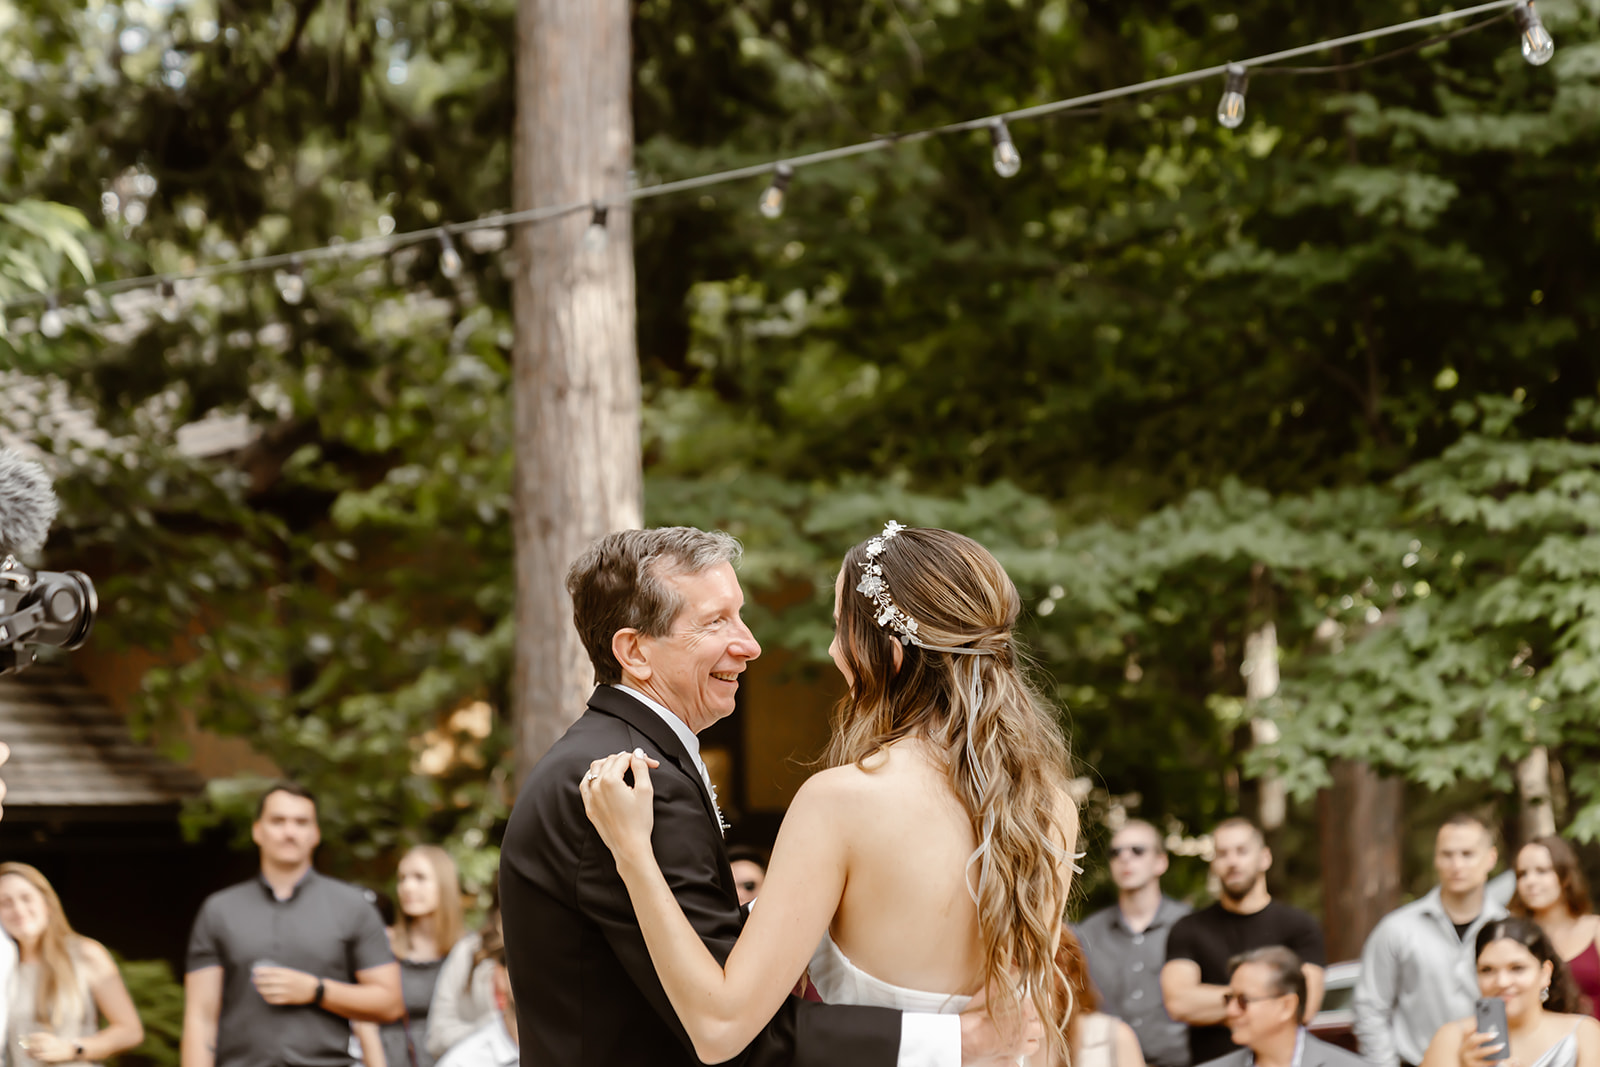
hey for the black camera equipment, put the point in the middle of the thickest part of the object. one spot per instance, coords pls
(36, 607)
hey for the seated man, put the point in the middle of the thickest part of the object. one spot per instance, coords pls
(1265, 1003)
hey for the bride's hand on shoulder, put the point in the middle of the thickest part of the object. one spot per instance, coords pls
(623, 814)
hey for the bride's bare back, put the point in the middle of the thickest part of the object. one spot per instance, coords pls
(906, 915)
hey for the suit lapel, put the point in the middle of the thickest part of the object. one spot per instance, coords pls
(609, 700)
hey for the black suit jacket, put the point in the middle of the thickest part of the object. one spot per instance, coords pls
(587, 994)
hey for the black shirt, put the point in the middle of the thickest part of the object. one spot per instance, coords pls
(326, 928)
(1215, 935)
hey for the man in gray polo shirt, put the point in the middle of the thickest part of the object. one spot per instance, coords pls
(1126, 944)
(279, 965)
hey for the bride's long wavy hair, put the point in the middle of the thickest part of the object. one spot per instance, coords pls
(960, 596)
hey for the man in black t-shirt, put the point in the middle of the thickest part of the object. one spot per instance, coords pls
(1195, 976)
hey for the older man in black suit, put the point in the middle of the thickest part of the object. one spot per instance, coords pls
(1265, 1005)
(658, 611)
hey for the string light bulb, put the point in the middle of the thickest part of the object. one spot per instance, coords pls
(596, 236)
(1007, 160)
(52, 323)
(169, 301)
(1230, 111)
(772, 198)
(292, 282)
(449, 258)
(1537, 44)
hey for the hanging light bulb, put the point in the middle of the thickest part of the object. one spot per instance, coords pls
(1007, 160)
(169, 301)
(1230, 112)
(1537, 44)
(595, 237)
(52, 323)
(449, 258)
(772, 199)
(292, 282)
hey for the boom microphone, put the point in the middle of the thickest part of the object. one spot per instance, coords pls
(27, 505)
(36, 607)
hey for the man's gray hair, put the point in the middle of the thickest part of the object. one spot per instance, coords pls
(1288, 976)
(620, 582)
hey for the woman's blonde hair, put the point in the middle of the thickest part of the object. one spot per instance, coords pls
(1009, 768)
(59, 998)
(447, 919)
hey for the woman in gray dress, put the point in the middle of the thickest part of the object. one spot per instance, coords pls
(427, 925)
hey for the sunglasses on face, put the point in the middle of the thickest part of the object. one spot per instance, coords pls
(1244, 1000)
(1132, 850)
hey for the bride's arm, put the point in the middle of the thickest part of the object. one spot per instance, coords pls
(724, 1008)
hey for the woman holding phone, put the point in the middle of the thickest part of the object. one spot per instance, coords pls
(1522, 980)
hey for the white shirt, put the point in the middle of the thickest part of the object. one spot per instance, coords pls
(8, 968)
(926, 1040)
(488, 1046)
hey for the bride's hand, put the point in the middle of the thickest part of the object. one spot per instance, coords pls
(623, 814)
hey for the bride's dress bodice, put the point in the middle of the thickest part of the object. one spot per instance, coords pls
(839, 981)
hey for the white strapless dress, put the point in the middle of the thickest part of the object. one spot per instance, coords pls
(839, 981)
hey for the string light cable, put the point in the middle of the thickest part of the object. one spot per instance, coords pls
(289, 267)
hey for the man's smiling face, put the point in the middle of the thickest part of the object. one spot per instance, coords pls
(694, 670)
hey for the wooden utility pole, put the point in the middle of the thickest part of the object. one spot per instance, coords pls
(576, 374)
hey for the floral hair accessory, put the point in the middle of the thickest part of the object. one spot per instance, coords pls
(875, 587)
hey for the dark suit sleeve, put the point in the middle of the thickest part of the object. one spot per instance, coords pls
(688, 848)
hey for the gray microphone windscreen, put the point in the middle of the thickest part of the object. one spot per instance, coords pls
(27, 505)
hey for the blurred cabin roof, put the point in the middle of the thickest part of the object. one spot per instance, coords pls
(71, 750)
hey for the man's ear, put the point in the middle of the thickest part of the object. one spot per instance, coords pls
(1162, 863)
(628, 646)
(1266, 859)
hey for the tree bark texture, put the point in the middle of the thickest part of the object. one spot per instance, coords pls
(1537, 814)
(576, 374)
(1360, 817)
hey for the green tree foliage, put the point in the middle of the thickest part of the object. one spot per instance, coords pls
(1166, 371)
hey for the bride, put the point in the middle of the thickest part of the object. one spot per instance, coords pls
(930, 862)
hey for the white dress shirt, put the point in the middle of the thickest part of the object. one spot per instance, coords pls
(926, 1040)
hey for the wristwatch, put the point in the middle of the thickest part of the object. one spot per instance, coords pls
(316, 998)
(77, 1050)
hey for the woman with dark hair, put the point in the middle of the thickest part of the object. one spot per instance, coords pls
(1094, 1038)
(931, 860)
(1518, 964)
(1552, 891)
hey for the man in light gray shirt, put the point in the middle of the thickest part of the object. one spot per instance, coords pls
(1126, 944)
(1417, 969)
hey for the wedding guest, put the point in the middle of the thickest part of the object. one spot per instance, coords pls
(1245, 917)
(62, 984)
(1416, 967)
(464, 996)
(427, 926)
(1552, 891)
(1094, 1039)
(1266, 1010)
(281, 964)
(495, 1043)
(749, 866)
(1126, 944)
(1517, 964)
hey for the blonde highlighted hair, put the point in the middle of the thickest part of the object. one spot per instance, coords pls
(59, 998)
(960, 596)
(448, 921)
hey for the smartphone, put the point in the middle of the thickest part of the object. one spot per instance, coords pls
(1492, 1020)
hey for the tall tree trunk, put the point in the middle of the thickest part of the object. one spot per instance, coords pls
(1537, 815)
(1361, 842)
(576, 375)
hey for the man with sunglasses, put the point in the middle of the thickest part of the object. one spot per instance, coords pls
(1126, 944)
(1265, 1005)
